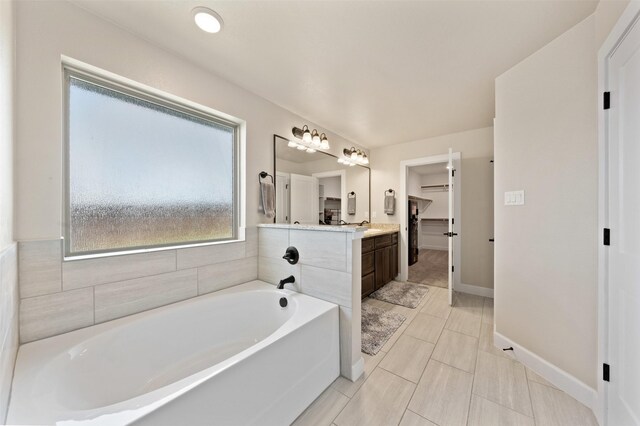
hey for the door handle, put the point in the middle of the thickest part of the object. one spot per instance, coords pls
(450, 234)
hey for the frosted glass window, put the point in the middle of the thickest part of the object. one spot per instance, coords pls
(142, 173)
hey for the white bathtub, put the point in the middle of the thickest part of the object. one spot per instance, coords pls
(234, 357)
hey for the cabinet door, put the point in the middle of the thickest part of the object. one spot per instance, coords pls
(368, 284)
(382, 267)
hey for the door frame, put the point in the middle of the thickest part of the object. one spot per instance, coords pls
(343, 187)
(615, 37)
(403, 245)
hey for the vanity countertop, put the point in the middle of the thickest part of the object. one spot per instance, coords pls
(374, 232)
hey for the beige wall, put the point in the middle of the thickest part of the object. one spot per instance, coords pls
(8, 255)
(476, 225)
(606, 14)
(546, 250)
(47, 30)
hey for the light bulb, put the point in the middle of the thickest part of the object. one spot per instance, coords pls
(324, 144)
(306, 136)
(354, 155)
(365, 160)
(301, 147)
(292, 144)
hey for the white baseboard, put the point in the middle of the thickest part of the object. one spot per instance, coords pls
(427, 247)
(558, 377)
(474, 289)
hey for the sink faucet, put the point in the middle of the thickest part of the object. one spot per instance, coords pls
(363, 222)
(289, 280)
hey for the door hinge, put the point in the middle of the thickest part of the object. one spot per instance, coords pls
(453, 221)
(605, 372)
(606, 100)
(453, 173)
(453, 268)
(606, 237)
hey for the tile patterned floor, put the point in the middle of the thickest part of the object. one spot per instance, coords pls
(441, 368)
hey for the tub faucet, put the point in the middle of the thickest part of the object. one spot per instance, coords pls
(289, 280)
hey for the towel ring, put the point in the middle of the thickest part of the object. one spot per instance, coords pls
(351, 194)
(390, 191)
(263, 175)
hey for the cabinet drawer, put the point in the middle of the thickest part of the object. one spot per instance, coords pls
(368, 284)
(368, 263)
(383, 240)
(367, 245)
(394, 238)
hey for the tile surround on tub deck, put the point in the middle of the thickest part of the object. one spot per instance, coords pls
(50, 284)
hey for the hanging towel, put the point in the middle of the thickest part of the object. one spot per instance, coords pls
(389, 203)
(268, 192)
(351, 203)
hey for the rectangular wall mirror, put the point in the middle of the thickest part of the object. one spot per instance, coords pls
(313, 188)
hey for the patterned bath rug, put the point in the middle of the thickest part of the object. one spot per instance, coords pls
(401, 293)
(377, 327)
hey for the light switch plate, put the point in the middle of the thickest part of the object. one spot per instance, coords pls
(514, 198)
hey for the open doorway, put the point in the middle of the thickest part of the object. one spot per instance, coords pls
(428, 223)
(420, 223)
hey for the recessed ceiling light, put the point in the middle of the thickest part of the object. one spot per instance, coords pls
(207, 20)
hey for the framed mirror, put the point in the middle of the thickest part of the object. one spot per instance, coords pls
(313, 188)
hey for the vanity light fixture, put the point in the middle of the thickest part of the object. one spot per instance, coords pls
(310, 140)
(207, 20)
(353, 156)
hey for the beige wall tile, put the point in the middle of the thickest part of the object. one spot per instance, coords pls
(382, 401)
(323, 410)
(553, 407)
(90, 272)
(503, 381)
(408, 358)
(40, 266)
(206, 255)
(223, 275)
(412, 419)
(8, 352)
(251, 238)
(443, 395)
(52, 314)
(322, 249)
(326, 284)
(273, 242)
(9, 339)
(272, 270)
(425, 327)
(457, 350)
(124, 298)
(487, 413)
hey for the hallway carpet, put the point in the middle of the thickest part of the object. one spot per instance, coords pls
(431, 268)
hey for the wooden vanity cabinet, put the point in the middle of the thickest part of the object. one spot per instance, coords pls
(379, 262)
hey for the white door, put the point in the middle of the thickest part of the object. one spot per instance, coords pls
(451, 233)
(623, 281)
(304, 199)
(282, 197)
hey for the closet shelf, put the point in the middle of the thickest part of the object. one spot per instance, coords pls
(435, 188)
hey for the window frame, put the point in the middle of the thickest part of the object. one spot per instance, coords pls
(133, 89)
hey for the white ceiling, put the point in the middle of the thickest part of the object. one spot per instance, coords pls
(375, 72)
